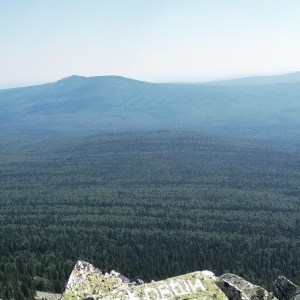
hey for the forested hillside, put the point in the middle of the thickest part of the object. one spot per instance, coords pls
(151, 205)
(114, 103)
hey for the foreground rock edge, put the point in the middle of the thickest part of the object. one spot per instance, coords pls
(88, 283)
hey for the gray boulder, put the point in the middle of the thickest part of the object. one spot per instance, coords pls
(237, 288)
(286, 290)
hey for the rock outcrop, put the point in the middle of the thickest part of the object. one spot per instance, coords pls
(89, 283)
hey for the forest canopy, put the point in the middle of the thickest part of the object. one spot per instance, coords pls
(149, 205)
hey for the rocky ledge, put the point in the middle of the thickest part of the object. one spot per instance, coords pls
(89, 283)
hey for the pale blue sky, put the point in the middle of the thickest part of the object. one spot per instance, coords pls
(157, 40)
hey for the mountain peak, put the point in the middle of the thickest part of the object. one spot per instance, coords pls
(104, 78)
(72, 78)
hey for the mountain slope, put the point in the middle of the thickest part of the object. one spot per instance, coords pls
(112, 103)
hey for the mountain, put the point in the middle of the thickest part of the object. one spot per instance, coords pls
(113, 103)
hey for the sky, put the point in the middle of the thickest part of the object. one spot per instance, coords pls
(153, 40)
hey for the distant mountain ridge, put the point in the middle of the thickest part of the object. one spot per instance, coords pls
(115, 103)
(259, 80)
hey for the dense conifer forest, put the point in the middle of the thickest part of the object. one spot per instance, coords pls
(149, 205)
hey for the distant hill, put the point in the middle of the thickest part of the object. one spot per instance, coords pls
(113, 103)
(259, 80)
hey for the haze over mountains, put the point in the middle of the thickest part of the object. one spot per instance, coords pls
(254, 105)
(260, 80)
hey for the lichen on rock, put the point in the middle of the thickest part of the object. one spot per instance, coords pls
(87, 281)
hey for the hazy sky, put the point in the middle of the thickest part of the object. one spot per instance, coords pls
(154, 40)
